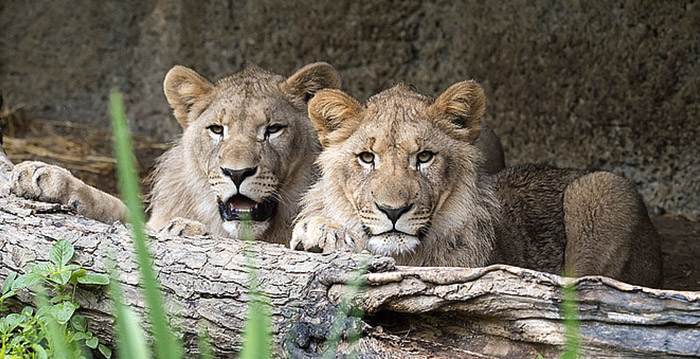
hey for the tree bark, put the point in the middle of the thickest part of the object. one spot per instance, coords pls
(497, 311)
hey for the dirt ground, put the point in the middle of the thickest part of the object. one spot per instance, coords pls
(681, 251)
(87, 153)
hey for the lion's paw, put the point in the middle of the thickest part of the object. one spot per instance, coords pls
(321, 234)
(180, 227)
(42, 182)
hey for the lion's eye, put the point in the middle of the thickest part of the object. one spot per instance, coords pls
(216, 129)
(273, 129)
(366, 157)
(425, 157)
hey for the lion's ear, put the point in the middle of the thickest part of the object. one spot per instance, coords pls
(459, 109)
(334, 114)
(184, 88)
(311, 78)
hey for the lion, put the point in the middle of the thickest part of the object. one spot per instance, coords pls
(402, 177)
(246, 151)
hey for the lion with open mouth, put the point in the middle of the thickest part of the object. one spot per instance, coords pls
(247, 151)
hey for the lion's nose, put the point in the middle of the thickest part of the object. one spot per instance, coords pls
(394, 213)
(237, 176)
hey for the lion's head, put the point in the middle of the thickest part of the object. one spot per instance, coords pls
(246, 150)
(404, 168)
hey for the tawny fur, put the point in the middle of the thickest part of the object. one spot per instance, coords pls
(188, 177)
(452, 213)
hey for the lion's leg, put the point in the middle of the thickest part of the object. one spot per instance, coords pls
(608, 231)
(321, 234)
(48, 183)
(179, 226)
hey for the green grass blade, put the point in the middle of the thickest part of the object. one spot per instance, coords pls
(256, 330)
(55, 335)
(204, 343)
(131, 342)
(347, 309)
(165, 344)
(569, 307)
(256, 333)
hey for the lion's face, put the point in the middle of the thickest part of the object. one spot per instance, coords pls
(248, 135)
(399, 159)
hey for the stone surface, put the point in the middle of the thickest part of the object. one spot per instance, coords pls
(611, 85)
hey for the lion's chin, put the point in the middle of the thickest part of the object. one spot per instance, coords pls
(250, 230)
(393, 244)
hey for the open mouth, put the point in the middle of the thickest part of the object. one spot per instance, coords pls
(241, 207)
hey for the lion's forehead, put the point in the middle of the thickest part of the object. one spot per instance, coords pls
(403, 108)
(396, 136)
(256, 109)
(251, 78)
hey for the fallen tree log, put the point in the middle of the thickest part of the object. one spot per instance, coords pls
(498, 311)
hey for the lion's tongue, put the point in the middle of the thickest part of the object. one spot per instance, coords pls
(239, 203)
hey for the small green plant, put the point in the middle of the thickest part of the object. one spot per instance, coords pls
(55, 327)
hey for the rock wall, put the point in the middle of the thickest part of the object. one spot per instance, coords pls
(611, 85)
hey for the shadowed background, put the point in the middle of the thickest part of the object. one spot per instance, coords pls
(611, 85)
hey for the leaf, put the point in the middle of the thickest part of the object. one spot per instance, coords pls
(43, 268)
(60, 298)
(61, 277)
(26, 280)
(62, 312)
(92, 342)
(94, 278)
(7, 284)
(11, 322)
(54, 333)
(43, 312)
(77, 274)
(71, 267)
(105, 351)
(27, 311)
(79, 323)
(7, 295)
(61, 253)
(40, 351)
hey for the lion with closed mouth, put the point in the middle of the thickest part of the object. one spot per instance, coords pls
(402, 176)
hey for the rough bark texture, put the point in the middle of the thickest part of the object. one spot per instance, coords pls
(498, 311)
(5, 168)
